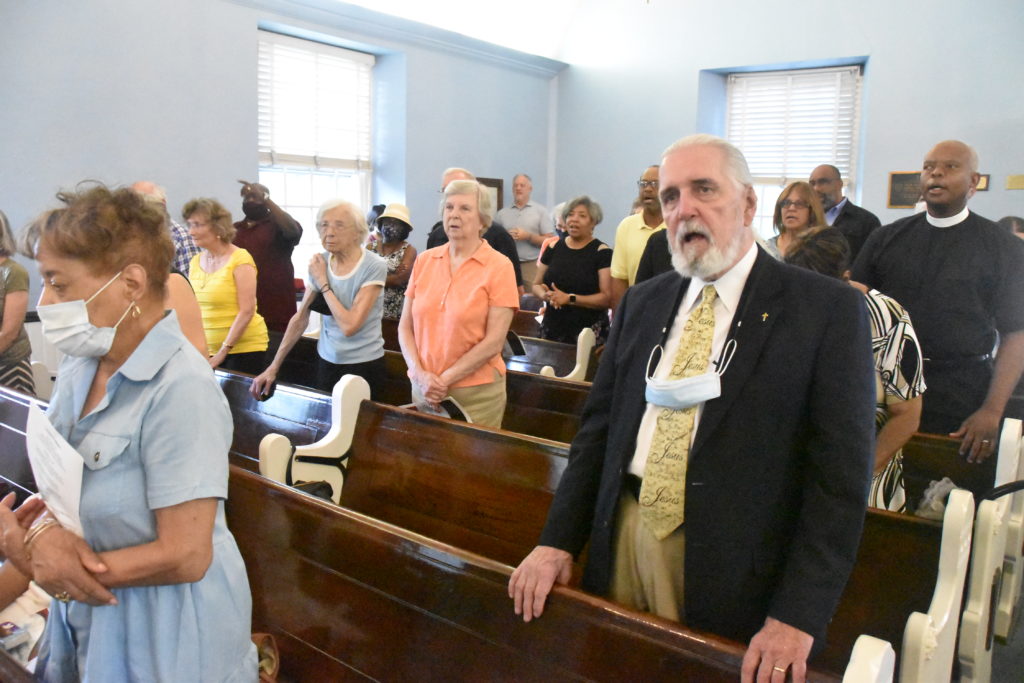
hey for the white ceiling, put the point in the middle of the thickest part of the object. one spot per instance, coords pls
(536, 27)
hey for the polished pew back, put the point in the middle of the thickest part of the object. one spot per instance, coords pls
(545, 407)
(897, 565)
(15, 471)
(352, 598)
(302, 415)
(929, 457)
(539, 352)
(474, 488)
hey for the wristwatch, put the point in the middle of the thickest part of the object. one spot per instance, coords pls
(572, 298)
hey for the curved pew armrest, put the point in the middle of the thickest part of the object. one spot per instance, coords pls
(1010, 468)
(929, 640)
(872, 661)
(584, 345)
(1013, 564)
(974, 650)
(276, 450)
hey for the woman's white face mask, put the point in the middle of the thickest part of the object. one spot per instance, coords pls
(67, 326)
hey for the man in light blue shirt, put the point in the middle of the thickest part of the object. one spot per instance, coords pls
(529, 224)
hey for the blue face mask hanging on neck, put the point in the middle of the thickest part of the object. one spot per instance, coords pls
(679, 394)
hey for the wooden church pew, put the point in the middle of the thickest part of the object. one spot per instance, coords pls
(545, 407)
(349, 597)
(868, 604)
(561, 359)
(423, 473)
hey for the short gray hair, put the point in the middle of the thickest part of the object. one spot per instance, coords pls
(457, 169)
(735, 162)
(483, 198)
(592, 207)
(354, 212)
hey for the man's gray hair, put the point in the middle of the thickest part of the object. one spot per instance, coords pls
(354, 212)
(734, 159)
(151, 191)
(457, 169)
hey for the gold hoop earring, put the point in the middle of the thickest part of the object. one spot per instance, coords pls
(136, 311)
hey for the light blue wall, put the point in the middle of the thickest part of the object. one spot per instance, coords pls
(119, 90)
(122, 91)
(935, 71)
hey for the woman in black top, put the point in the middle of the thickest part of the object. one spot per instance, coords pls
(574, 277)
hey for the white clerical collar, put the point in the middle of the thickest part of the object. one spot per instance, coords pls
(948, 222)
(729, 286)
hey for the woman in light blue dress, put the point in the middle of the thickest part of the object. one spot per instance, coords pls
(156, 590)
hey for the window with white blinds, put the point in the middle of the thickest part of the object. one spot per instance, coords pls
(315, 104)
(788, 122)
(315, 129)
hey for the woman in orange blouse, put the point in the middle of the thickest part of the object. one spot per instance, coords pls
(458, 307)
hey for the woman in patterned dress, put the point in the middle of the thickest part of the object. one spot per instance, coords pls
(899, 382)
(394, 227)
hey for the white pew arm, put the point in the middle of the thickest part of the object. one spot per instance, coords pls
(584, 345)
(276, 450)
(872, 661)
(1013, 562)
(929, 640)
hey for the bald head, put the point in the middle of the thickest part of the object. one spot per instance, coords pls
(151, 190)
(949, 176)
(455, 173)
(828, 184)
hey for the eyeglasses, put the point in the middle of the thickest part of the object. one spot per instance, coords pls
(646, 183)
(795, 203)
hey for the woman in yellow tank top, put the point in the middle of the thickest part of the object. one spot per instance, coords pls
(224, 279)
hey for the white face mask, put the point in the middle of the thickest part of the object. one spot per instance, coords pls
(679, 394)
(683, 393)
(67, 326)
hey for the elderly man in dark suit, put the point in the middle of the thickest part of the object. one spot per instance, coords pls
(854, 222)
(736, 509)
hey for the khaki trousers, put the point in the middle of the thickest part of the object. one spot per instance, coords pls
(647, 574)
(484, 404)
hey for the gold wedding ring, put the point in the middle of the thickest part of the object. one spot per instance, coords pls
(780, 669)
(63, 596)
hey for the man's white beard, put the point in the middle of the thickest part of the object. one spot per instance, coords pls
(713, 261)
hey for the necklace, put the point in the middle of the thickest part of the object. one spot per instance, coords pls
(209, 264)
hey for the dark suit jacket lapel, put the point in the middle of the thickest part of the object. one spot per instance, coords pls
(760, 306)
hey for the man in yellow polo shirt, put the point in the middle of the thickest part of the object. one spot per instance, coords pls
(632, 234)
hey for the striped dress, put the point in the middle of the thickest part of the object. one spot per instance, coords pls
(898, 377)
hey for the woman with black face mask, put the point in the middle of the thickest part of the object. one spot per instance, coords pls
(393, 228)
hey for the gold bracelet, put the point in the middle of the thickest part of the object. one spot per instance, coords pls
(36, 531)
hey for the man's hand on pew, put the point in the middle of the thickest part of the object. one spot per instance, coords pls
(979, 434)
(534, 577)
(774, 651)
